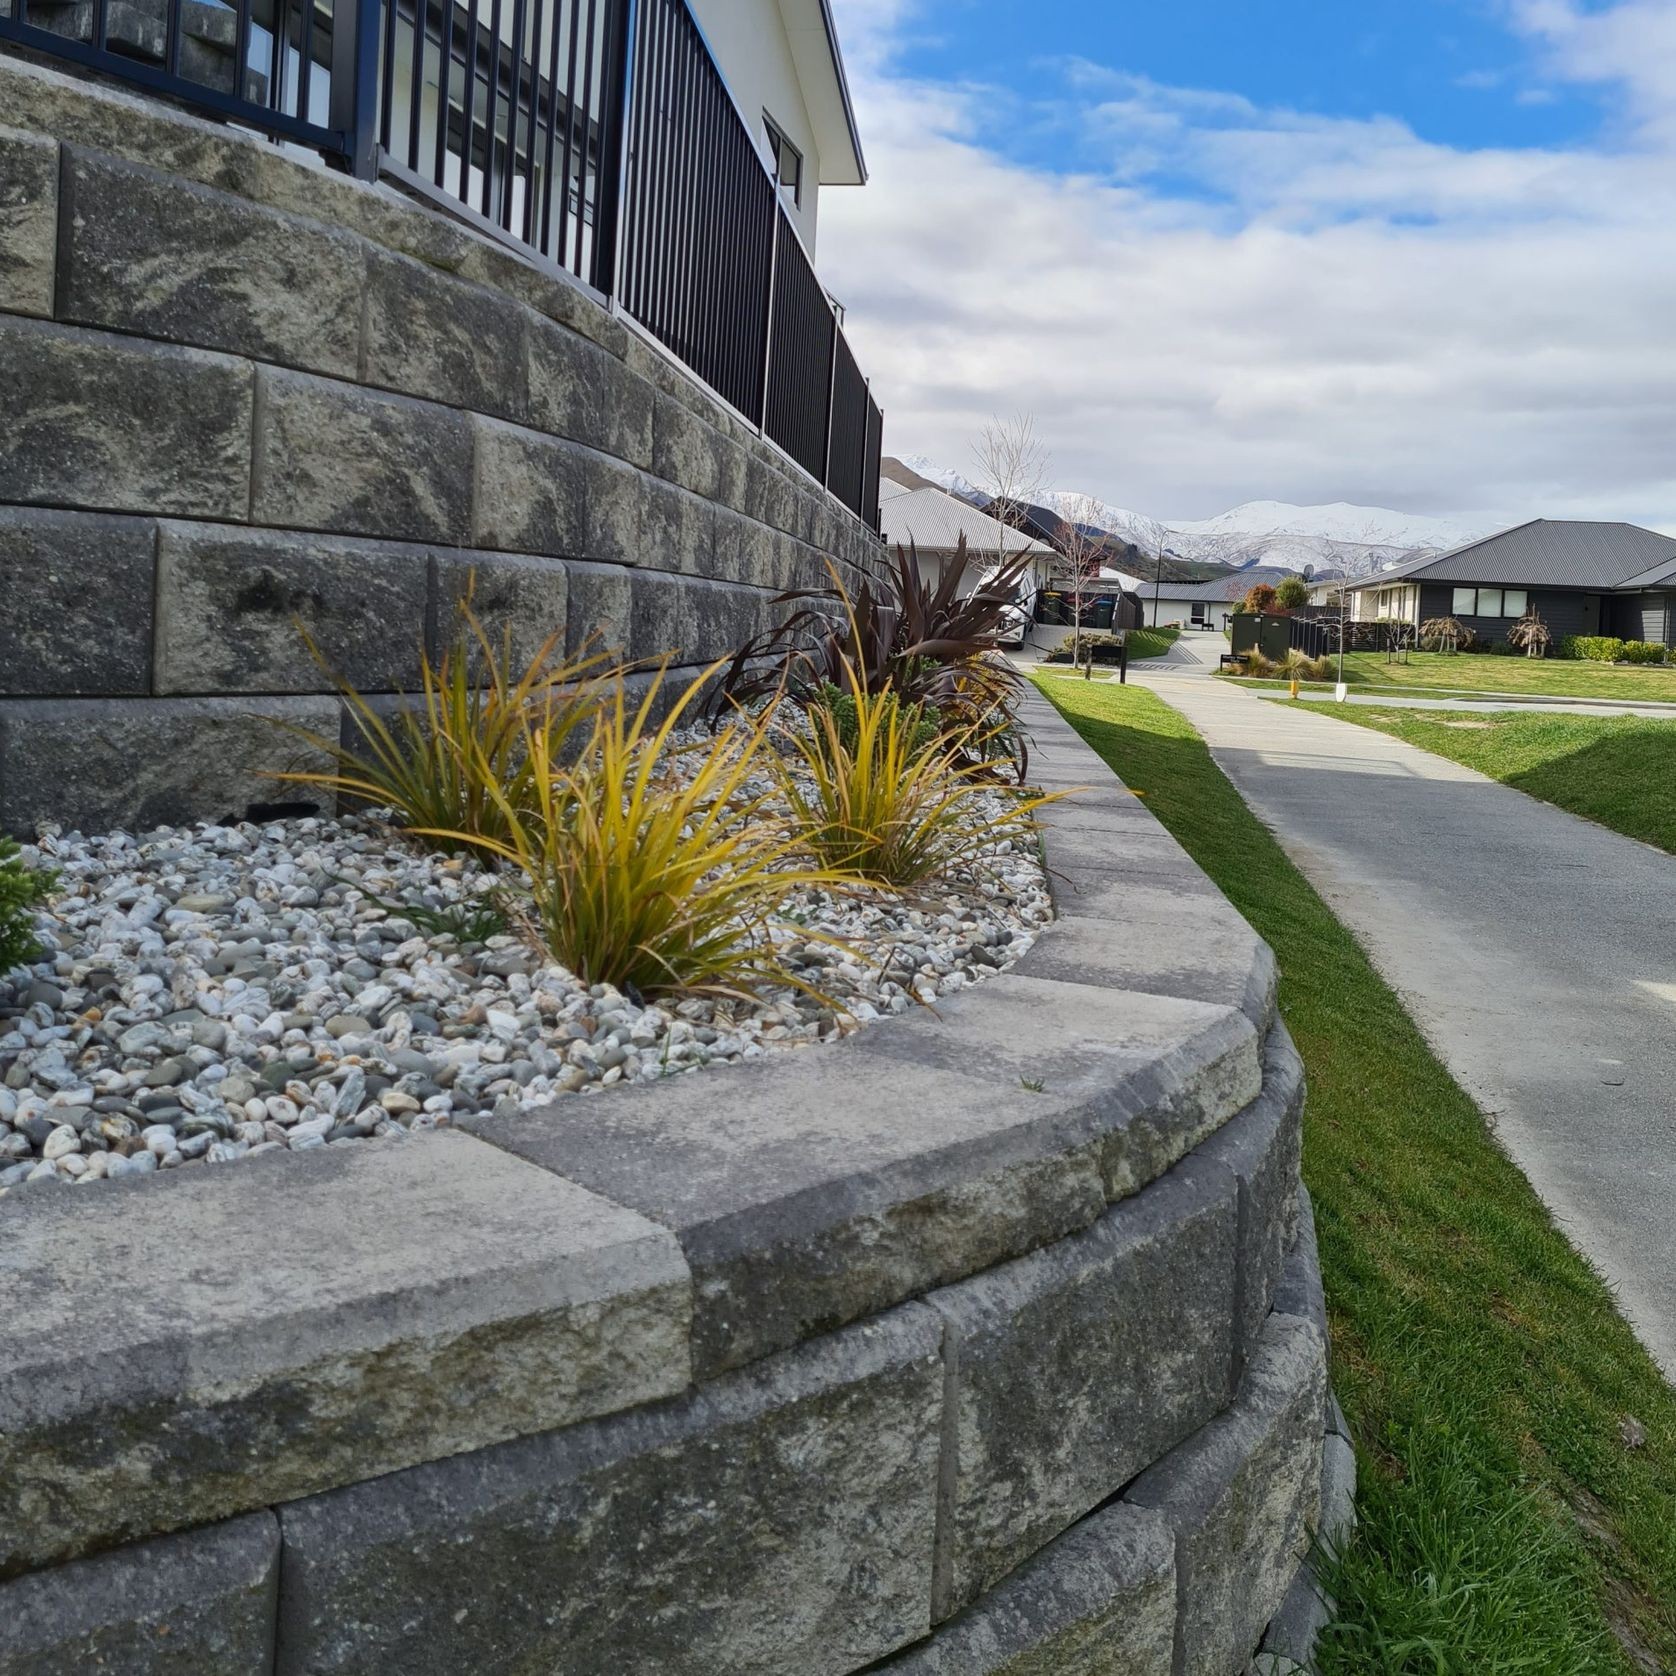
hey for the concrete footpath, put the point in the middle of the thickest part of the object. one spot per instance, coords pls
(1536, 950)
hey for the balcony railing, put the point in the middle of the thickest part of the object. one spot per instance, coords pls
(596, 135)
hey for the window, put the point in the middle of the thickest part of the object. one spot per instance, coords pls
(788, 160)
(1490, 602)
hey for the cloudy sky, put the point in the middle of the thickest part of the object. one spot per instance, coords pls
(1408, 253)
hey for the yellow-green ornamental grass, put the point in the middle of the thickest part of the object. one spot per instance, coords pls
(883, 802)
(652, 865)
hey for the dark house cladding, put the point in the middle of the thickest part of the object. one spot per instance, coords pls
(1578, 577)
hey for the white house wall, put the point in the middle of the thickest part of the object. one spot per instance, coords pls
(748, 39)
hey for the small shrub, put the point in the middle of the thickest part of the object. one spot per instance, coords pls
(452, 762)
(1292, 594)
(1259, 597)
(1643, 651)
(1097, 642)
(1255, 663)
(894, 808)
(1445, 634)
(22, 890)
(1596, 648)
(840, 705)
(1530, 635)
(649, 880)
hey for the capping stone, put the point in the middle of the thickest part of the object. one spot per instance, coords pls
(424, 1300)
(775, 1521)
(148, 253)
(77, 588)
(1243, 1498)
(1098, 1601)
(1070, 1369)
(230, 602)
(28, 222)
(201, 1603)
(121, 425)
(332, 456)
(904, 1157)
(144, 762)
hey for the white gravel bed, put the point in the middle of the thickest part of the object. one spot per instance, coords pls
(214, 993)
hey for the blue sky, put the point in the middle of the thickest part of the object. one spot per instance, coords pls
(1409, 253)
(1453, 69)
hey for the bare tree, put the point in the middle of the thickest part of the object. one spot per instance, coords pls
(1011, 466)
(1081, 545)
(1012, 469)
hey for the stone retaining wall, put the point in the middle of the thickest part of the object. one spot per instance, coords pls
(988, 1341)
(241, 391)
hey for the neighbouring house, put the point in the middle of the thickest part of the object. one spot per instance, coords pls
(1205, 605)
(1579, 577)
(915, 512)
(522, 307)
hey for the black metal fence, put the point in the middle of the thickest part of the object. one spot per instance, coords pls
(597, 134)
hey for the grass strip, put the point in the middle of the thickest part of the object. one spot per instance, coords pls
(1471, 673)
(1517, 1446)
(1618, 770)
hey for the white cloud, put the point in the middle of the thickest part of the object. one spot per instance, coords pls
(1310, 309)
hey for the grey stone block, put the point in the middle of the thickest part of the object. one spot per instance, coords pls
(775, 1521)
(599, 607)
(1299, 1291)
(149, 253)
(578, 390)
(770, 497)
(331, 456)
(816, 1203)
(201, 1603)
(28, 222)
(1243, 1498)
(1074, 1367)
(1155, 1075)
(426, 1300)
(689, 620)
(121, 425)
(1160, 939)
(530, 491)
(1098, 1601)
(678, 532)
(746, 551)
(1338, 1491)
(526, 597)
(685, 450)
(436, 337)
(78, 593)
(138, 763)
(1261, 1147)
(614, 504)
(1289, 1641)
(233, 608)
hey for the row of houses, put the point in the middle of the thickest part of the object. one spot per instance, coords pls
(1580, 577)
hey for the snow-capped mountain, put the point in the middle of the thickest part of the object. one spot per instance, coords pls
(1146, 533)
(1357, 539)
(944, 478)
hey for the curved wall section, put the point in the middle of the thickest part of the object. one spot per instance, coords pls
(980, 1344)
(242, 392)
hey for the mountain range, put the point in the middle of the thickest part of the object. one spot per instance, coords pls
(1357, 540)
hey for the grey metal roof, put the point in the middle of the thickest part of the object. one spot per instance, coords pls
(1235, 585)
(1545, 553)
(935, 521)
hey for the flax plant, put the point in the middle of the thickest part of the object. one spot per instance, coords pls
(453, 761)
(878, 799)
(653, 880)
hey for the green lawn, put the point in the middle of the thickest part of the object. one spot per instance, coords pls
(1618, 770)
(1151, 642)
(1469, 672)
(1507, 1525)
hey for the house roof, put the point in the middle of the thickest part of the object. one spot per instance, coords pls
(1235, 585)
(826, 90)
(1546, 553)
(935, 521)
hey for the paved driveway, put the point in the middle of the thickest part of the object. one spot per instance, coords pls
(1536, 950)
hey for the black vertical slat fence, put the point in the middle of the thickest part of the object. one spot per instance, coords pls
(699, 212)
(621, 160)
